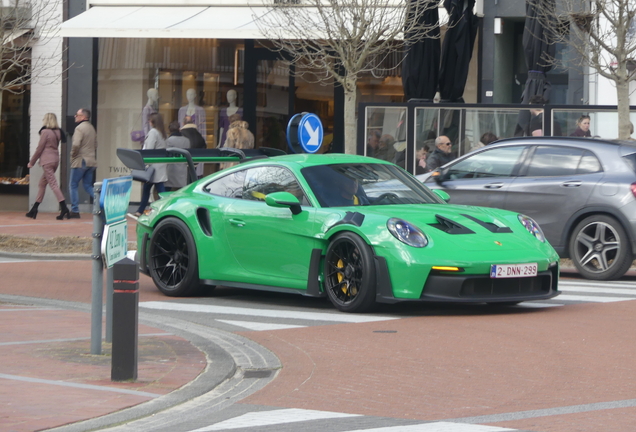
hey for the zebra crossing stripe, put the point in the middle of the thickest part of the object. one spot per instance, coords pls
(598, 290)
(269, 418)
(438, 427)
(598, 284)
(259, 326)
(269, 313)
(593, 299)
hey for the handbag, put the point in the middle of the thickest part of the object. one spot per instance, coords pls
(143, 175)
(137, 136)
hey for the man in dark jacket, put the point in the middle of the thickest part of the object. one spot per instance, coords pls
(442, 153)
(190, 131)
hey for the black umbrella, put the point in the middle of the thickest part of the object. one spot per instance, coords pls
(420, 69)
(457, 49)
(537, 51)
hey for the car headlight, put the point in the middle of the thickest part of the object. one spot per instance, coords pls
(407, 233)
(532, 227)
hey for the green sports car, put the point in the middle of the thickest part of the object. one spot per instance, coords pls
(356, 229)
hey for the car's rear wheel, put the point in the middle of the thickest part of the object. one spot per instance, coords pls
(172, 261)
(350, 273)
(600, 249)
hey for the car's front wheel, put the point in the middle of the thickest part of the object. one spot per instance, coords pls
(600, 249)
(350, 273)
(172, 259)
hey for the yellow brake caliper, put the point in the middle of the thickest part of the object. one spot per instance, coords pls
(340, 266)
(353, 289)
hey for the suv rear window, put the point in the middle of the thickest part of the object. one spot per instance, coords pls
(630, 160)
(549, 161)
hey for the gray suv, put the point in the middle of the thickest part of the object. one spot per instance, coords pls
(581, 191)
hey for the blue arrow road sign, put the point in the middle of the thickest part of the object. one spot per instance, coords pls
(310, 133)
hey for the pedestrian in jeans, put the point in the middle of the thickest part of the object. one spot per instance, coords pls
(83, 160)
(156, 139)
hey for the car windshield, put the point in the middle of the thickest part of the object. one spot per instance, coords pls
(365, 184)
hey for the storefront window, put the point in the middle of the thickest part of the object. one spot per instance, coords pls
(14, 144)
(272, 104)
(202, 78)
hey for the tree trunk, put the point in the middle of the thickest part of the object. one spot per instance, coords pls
(350, 127)
(622, 91)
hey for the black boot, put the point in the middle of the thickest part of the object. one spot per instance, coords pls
(64, 211)
(33, 213)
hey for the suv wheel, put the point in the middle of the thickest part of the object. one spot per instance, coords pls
(600, 249)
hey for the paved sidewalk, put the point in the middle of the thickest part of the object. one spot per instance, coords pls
(48, 377)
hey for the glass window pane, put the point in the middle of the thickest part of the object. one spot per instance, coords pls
(230, 186)
(262, 181)
(341, 185)
(554, 161)
(588, 164)
(386, 134)
(498, 162)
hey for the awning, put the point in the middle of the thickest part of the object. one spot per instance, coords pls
(183, 22)
(212, 22)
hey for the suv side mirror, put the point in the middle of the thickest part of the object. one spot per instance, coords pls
(283, 199)
(438, 176)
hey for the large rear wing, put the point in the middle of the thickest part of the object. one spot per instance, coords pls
(137, 159)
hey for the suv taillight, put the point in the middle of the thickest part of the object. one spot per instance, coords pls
(633, 186)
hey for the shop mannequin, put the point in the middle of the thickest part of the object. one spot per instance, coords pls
(196, 112)
(152, 107)
(224, 116)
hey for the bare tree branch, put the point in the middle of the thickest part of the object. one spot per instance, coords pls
(602, 33)
(22, 24)
(339, 40)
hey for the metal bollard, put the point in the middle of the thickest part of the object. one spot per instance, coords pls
(125, 320)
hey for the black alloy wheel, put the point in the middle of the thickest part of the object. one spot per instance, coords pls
(600, 248)
(172, 262)
(350, 273)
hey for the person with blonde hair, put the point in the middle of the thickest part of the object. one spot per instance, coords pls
(49, 156)
(582, 127)
(238, 136)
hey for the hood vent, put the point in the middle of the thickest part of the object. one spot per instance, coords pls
(450, 227)
(489, 225)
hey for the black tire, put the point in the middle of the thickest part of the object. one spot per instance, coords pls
(172, 259)
(600, 248)
(350, 273)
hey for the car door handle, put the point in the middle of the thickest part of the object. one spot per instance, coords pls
(494, 185)
(237, 222)
(573, 183)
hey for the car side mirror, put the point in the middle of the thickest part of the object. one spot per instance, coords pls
(438, 176)
(442, 194)
(283, 199)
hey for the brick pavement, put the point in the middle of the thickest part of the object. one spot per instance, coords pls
(48, 377)
(432, 364)
(445, 366)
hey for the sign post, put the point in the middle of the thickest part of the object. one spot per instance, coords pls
(97, 285)
(109, 246)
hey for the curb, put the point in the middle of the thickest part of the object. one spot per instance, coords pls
(229, 357)
(44, 256)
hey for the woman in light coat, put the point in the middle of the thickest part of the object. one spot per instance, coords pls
(156, 139)
(49, 155)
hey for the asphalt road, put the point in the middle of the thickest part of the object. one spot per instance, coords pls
(563, 365)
